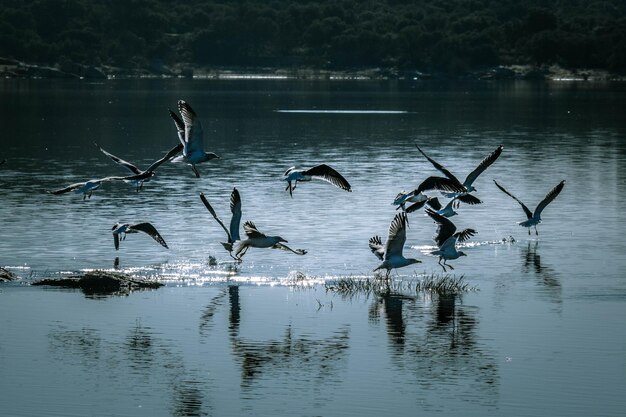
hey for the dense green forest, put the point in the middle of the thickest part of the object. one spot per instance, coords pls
(430, 35)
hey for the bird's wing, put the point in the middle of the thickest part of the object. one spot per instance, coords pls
(116, 240)
(529, 214)
(169, 155)
(194, 136)
(548, 198)
(326, 173)
(180, 127)
(132, 168)
(440, 167)
(288, 249)
(235, 220)
(289, 171)
(484, 164)
(67, 189)
(445, 229)
(465, 234)
(440, 183)
(415, 206)
(215, 216)
(397, 236)
(469, 199)
(376, 246)
(434, 203)
(149, 229)
(251, 231)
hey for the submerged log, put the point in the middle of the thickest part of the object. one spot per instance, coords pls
(101, 283)
(6, 275)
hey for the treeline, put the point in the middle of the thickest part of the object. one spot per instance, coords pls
(429, 35)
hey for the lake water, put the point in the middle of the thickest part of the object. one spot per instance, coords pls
(540, 333)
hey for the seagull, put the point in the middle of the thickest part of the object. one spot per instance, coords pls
(430, 183)
(533, 219)
(321, 172)
(191, 137)
(235, 208)
(448, 210)
(471, 177)
(87, 187)
(143, 176)
(120, 231)
(391, 252)
(446, 239)
(256, 239)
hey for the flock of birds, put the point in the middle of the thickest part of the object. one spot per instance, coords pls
(191, 151)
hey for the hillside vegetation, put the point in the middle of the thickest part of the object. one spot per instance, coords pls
(451, 36)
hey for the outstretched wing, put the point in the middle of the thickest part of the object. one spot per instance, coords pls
(415, 206)
(377, 248)
(469, 199)
(288, 249)
(251, 231)
(180, 127)
(169, 155)
(529, 214)
(465, 234)
(235, 220)
(440, 167)
(397, 236)
(445, 229)
(484, 164)
(215, 216)
(440, 183)
(194, 136)
(67, 189)
(548, 198)
(132, 168)
(151, 231)
(326, 173)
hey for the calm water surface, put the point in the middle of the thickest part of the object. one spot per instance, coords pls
(542, 334)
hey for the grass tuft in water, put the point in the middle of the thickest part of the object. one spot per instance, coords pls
(433, 283)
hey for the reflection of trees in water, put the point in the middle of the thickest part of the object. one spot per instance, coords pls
(438, 342)
(313, 358)
(548, 277)
(142, 357)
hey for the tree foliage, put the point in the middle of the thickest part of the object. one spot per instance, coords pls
(443, 35)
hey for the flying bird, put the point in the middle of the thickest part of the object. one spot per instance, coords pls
(468, 184)
(232, 233)
(142, 176)
(256, 239)
(431, 183)
(446, 239)
(391, 252)
(87, 187)
(191, 136)
(120, 231)
(321, 172)
(533, 219)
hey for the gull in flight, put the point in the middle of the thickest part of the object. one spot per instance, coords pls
(533, 219)
(468, 184)
(232, 233)
(142, 176)
(191, 137)
(321, 172)
(391, 252)
(256, 239)
(88, 187)
(120, 231)
(446, 239)
(418, 197)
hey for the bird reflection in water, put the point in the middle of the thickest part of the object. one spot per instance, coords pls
(549, 278)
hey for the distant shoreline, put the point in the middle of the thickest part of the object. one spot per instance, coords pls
(10, 68)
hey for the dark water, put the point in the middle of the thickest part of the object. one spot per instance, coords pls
(542, 334)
